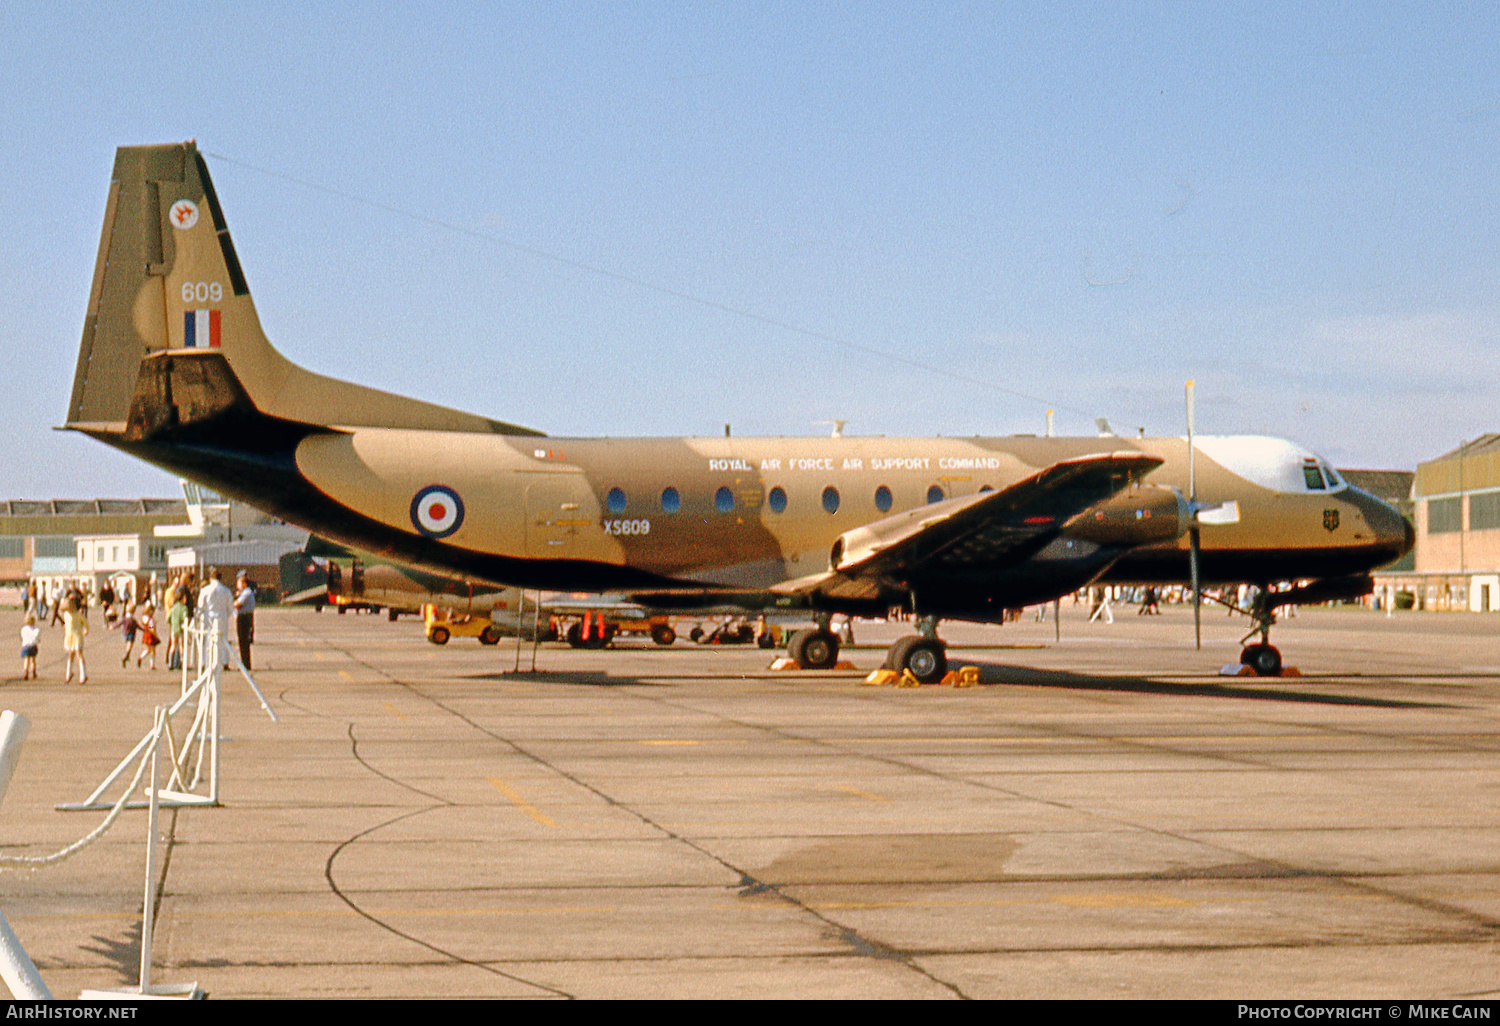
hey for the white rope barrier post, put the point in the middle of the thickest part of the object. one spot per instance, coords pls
(146, 989)
(16, 967)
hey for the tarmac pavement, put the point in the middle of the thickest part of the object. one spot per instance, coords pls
(1103, 817)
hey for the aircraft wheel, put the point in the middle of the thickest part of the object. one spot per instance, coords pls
(438, 635)
(489, 636)
(927, 659)
(1265, 660)
(663, 635)
(895, 656)
(766, 641)
(819, 650)
(696, 635)
(391, 614)
(575, 635)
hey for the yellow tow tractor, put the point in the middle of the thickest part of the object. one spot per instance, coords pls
(443, 624)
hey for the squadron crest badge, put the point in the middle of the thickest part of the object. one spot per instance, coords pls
(184, 214)
(1330, 520)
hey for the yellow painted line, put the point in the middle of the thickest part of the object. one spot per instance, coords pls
(285, 913)
(345, 674)
(320, 657)
(668, 742)
(861, 794)
(521, 803)
(393, 710)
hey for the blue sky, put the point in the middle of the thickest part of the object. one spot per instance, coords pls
(944, 219)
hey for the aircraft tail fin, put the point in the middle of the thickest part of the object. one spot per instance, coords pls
(168, 278)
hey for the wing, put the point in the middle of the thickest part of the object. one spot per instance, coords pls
(974, 534)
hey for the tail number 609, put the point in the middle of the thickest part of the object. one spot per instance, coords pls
(627, 527)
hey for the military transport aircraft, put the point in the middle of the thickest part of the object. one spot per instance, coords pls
(174, 369)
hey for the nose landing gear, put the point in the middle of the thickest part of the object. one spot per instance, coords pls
(1263, 657)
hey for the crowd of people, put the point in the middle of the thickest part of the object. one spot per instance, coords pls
(138, 619)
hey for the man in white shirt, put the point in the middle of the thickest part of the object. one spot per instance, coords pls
(214, 603)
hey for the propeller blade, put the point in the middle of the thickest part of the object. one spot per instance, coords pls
(1197, 591)
(1193, 538)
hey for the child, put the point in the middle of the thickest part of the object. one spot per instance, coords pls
(149, 639)
(177, 617)
(128, 626)
(31, 636)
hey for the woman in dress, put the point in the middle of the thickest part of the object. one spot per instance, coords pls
(75, 627)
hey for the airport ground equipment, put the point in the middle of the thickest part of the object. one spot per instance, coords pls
(443, 624)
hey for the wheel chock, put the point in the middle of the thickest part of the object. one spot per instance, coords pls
(965, 677)
(882, 677)
(1241, 670)
(783, 663)
(907, 680)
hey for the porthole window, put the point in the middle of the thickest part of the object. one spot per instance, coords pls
(777, 500)
(986, 488)
(671, 502)
(831, 499)
(723, 500)
(883, 499)
(935, 494)
(615, 500)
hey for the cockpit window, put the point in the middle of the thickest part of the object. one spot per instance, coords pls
(1313, 477)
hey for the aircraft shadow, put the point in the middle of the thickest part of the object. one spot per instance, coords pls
(587, 678)
(1027, 676)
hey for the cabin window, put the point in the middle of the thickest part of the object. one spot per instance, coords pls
(777, 500)
(986, 488)
(883, 500)
(831, 499)
(671, 502)
(723, 500)
(615, 500)
(1313, 477)
(935, 494)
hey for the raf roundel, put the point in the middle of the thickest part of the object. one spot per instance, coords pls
(437, 511)
(184, 214)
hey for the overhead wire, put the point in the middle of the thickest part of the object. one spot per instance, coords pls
(665, 290)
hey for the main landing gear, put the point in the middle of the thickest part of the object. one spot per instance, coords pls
(924, 655)
(1262, 657)
(816, 649)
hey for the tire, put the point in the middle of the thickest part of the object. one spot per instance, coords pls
(489, 636)
(438, 635)
(927, 660)
(820, 650)
(575, 635)
(696, 635)
(794, 645)
(766, 641)
(1265, 660)
(391, 614)
(663, 635)
(895, 656)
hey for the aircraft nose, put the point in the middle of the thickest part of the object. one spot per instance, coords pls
(1393, 532)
